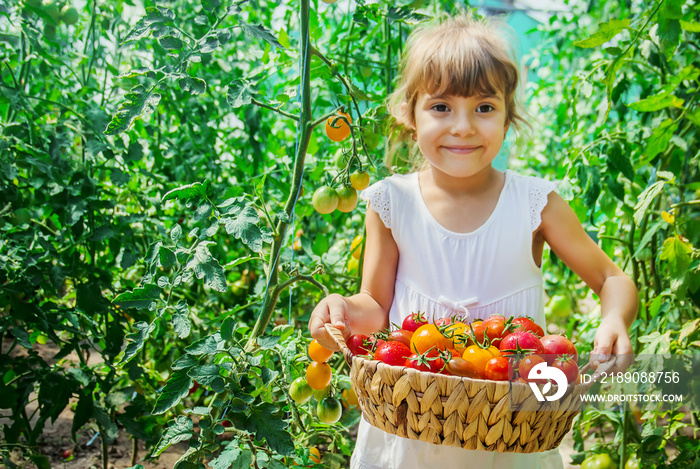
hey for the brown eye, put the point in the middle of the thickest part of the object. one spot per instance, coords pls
(485, 108)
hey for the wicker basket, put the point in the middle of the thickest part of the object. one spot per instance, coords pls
(456, 411)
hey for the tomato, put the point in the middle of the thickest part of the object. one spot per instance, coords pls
(598, 461)
(477, 330)
(401, 335)
(479, 357)
(568, 366)
(497, 369)
(41, 339)
(521, 342)
(632, 463)
(356, 247)
(329, 410)
(315, 455)
(193, 389)
(457, 334)
(67, 454)
(557, 345)
(428, 336)
(495, 328)
(359, 344)
(320, 394)
(526, 364)
(325, 199)
(429, 361)
(458, 366)
(359, 180)
(392, 353)
(347, 199)
(350, 396)
(318, 375)
(300, 390)
(527, 324)
(340, 130)
(318, 352)
(413, 321)
(51, 8)
(353, 265)
(226, 423)
(69, 15)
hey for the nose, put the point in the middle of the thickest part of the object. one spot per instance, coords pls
(462, 125)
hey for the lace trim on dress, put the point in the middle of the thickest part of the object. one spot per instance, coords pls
(539, 189)
(378, 197)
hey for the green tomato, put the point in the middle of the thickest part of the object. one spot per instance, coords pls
(41, 339)
(325, 199)
(69, 15)
(632, 462)
(320, 394)
(300, 390)
(347, 199)
(598, 461)
(50, 7)
(329, 410)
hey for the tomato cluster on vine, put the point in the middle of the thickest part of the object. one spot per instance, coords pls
(496, 348)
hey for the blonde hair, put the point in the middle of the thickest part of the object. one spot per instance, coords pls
(461, 56)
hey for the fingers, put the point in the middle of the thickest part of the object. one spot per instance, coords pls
(612, 342)
(333, 310)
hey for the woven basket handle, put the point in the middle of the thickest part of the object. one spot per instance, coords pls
(340, 340)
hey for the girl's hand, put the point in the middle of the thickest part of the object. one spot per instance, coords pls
(612, 338)
(332, 309)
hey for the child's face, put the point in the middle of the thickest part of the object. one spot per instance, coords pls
(460, 136)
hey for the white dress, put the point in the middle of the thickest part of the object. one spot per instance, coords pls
(441, 272)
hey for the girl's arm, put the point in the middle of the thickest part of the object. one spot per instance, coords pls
(368, 311)
(563, 232)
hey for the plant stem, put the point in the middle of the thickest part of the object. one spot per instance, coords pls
(305, 128)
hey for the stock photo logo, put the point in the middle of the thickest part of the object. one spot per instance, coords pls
(543, 372)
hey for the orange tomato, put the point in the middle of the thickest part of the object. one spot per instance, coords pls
(429, 336)
(457, 334)
(479, 357)
(341, 130)
(318, 375)
(318, 352)
(315, 455)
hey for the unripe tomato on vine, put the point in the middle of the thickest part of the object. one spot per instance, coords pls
(325, 199)
(340, 130)
(359, 180)
(347, 199)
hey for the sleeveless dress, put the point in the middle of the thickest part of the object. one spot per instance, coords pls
(487, 271)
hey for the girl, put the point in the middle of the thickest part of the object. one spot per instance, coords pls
(458, 236)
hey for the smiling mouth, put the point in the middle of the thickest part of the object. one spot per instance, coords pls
(461, 149)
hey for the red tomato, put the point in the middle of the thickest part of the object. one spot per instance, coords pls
(569, 366)
(428, 336)
(443, 322)
(476, 329)
(429, 361)
(400, 335)
(193, 389)
(359, 344)
(521, 342)
(557, 345)
(497, 369)
(526, 364)
(495, 327)
(67, 453)
(527, 324)
(413, 321)
(392, 353)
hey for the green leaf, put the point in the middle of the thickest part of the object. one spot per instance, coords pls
(208, 375)
(676, 252)
(645, 199)
(177, 431)
(259, 32)
(154, 19)
(185, 362)
(648, 235)
(268, 341)
(206, 267)
(171, 43)
(137, 102)
(194, 86)
(83, 413)
(266, 424)
(177, 387)
(670, 35)
(688, 329)
(137, 339)
(206, 345)
(181, 321)
(672, 9)
(690, 26)
(228, 327)
(240, 93)
(618, 161)
(167, 257)
(233, 457)
(209, 43)
(108, 429)
(140, 297)
(606, 31)
(244, 226)
(659, 140)
(41, 461)
(657, 102)
(196, 189)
